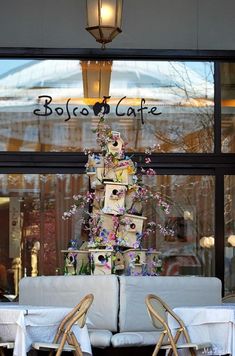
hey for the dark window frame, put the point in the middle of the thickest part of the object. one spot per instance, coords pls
(216, 163)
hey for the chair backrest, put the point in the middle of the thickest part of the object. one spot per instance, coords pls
(230, 298)
(78, 314)
(82, 309)
(156, 311)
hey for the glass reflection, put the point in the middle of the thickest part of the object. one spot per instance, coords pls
(229, 216)
(33, 232)
(190, 248)
(228, 107)
(56, 90)
(32, 240)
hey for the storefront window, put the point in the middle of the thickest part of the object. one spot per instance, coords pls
(161, 106)
(48, 105)
(229, 216)
(228, 107)
(34, 234)
(185, 236)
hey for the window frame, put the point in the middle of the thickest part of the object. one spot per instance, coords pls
(217, 163)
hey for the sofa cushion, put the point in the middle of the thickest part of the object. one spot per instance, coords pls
(100, 338)
(69, 290)
(137, 338)
(176, 291)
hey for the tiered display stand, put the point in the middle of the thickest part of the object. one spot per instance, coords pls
(116, 224)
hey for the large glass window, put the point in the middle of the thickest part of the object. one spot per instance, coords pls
(185, 236)
(228, 107)
(47, 105)
(158, 106)
(33, 232)
(229, 215)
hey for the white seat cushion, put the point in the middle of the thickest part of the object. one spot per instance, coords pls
(51, 346)
(100, 338)
(8, 345)
(126, 339)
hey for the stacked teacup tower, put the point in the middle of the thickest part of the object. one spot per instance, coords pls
(116, 224)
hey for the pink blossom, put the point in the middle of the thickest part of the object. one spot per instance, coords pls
(115, 220)
(111, 236)
(147, 160)
(150, 172)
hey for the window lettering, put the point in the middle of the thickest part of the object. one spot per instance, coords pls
(47, 109)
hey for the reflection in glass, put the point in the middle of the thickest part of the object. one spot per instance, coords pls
(190, 248)
(176, 115)
(33, 204)
(229, 216)
(96, 77)
(32, 240)
(228, 107)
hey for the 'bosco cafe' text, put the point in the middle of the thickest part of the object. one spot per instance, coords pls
(48, 108)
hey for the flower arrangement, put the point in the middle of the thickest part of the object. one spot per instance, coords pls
(116, 222)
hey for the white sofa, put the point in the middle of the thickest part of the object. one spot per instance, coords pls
(118, 316)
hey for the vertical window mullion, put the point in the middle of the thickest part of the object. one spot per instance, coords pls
(219, 226)
(217, 112)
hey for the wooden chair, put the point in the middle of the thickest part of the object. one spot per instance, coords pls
(5, 345)
(65, 339)
(158, 310)
(229, 298)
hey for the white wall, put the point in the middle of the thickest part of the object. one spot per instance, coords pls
(155, 24)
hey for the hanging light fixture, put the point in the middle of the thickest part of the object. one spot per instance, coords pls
(96, 78)
(104, 18)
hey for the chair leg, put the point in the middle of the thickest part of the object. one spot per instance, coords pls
(62, 343)
(176, 338)
(192, 351)
(72, 340)
(159, 343)
(172, 342)
(187, 338)
(155, 351)
(177, 335)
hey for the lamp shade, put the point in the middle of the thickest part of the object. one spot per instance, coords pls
(188, 215)
(207, 241)
(96, 77)
(104, 19)
(231, 240)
